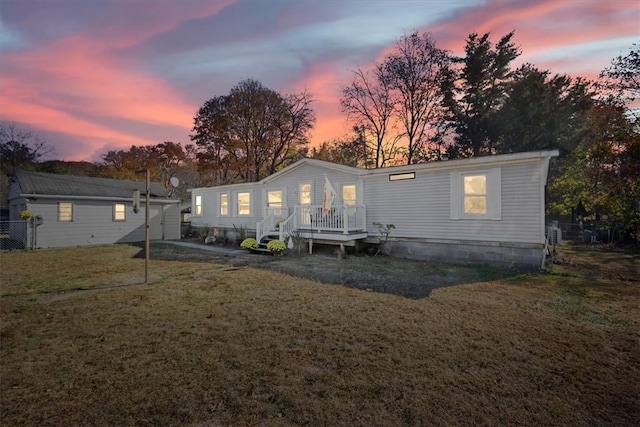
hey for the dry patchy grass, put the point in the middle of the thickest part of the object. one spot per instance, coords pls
(83, 342)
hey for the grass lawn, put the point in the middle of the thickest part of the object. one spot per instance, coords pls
(222, 342)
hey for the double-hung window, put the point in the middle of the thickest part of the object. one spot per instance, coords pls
(197, 208)
(476, 194)
(119, 212)
(65, 211)
(224, 204)
(244, 204)
(274, 202)
(349, 194)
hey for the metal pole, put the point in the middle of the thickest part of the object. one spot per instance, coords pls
(146, 222)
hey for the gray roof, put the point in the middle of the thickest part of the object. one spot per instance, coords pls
(71, 185)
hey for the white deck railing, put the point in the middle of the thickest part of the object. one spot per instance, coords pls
(313, 218)
(268, 223)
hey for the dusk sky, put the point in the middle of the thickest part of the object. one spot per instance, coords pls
(90, 76)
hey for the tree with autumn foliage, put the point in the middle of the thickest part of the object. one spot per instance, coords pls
(165, 160)
(603, 173)
(251, 133)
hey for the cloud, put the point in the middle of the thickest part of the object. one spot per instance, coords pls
(116, 73)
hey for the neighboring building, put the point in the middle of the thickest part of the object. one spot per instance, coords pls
(487, 210)
(78, 210)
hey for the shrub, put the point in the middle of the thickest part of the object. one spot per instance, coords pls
(298, 240)
(25, 214)
(249, 243)
(276, 246)
(241, 232)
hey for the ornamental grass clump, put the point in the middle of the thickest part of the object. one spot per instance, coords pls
(276, 246)
(249, 243)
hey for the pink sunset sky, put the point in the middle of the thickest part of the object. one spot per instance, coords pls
(93, 76)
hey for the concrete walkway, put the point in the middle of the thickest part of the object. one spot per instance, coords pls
(210, 248)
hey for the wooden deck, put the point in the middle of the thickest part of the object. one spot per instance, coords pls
(339, 224)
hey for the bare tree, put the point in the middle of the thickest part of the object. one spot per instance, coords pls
(20, 147)
(367, 102)
(415, 72)
(621, 80)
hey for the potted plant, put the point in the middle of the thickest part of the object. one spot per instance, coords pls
(277, 247)
(26, 214)
(249, 244)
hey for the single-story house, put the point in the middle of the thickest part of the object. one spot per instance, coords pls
(484, 210)
(79, 210)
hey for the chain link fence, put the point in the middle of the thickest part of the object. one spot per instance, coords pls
(16, 235)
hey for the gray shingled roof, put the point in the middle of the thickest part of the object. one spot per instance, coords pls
(70, 185)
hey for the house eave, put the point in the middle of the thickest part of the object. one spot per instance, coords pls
(465, 163)
(35, 196)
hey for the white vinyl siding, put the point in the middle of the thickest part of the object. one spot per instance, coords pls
(420, 208)
(93, 224)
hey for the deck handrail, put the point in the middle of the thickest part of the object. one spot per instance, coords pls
(287, 227)
(339, 218)
(268, 223)
(344, 218)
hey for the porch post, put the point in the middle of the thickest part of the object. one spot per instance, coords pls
(345, 220)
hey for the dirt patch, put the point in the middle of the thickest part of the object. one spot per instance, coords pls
(408, 278)
(601, 261)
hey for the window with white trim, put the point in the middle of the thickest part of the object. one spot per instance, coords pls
(304, 191)
(244, 203)
(476, 194)
(224, 204)
(349, 194)
(119, 212)
(274, 201)
(197, 208)
(65, 211)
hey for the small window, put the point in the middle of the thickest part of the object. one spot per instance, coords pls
(244, 203)
(402, 176)
(65, 211)
(119, 212)
(349, 195)
(198, 206)
(224, 204)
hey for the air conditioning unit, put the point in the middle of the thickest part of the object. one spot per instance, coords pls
(555, 235)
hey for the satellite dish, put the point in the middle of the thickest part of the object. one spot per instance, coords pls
(174, 182)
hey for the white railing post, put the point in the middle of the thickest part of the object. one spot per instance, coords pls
(345, 220)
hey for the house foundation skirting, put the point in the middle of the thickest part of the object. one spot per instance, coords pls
(496, 254)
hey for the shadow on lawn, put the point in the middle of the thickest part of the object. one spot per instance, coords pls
(403, 277)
